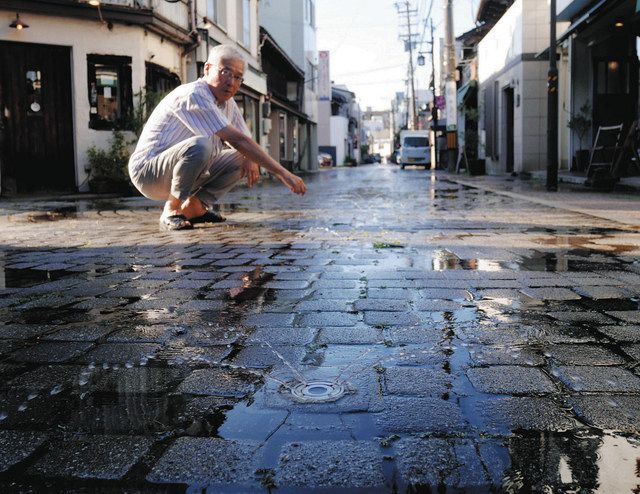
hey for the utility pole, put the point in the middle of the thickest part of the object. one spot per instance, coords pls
(450, 89)
(408, 40)
(552, 107)
(434, 109)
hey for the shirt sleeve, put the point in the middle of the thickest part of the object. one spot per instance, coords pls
(200, 115)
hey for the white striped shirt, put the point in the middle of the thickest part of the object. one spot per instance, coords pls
(187, 111)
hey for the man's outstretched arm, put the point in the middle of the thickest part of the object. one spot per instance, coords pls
(251, 150)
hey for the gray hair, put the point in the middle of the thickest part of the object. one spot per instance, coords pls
(225, 52)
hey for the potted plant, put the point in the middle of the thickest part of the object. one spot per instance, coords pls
(580, 123)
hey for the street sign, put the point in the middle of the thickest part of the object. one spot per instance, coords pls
(324, 78)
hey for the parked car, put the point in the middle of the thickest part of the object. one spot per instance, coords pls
(377, 158)
(325, 159)
(368, 158)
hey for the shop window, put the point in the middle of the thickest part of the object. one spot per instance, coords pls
(159, 79)
(612, 77)
(110, 96)
(249, 108)
(282, 135)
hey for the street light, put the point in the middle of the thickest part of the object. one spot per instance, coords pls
(552, 106)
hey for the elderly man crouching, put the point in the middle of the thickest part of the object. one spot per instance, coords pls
(180, 157)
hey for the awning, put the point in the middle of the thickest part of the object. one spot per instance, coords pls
(466, 90)
(584, 19)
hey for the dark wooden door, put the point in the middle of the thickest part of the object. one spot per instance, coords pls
(35, 106)
(509, 130)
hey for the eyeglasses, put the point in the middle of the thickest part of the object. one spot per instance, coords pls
(227, 74)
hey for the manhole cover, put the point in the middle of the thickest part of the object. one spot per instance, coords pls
(317, 392)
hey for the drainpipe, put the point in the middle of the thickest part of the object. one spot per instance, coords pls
(191, 4)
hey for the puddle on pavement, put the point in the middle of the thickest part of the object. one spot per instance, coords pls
(24, 278)
(58, 214)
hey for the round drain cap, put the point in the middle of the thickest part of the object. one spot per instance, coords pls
(317, 392)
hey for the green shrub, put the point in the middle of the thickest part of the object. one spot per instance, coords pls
(108, 168)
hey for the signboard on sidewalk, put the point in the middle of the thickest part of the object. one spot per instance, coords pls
(324, 77)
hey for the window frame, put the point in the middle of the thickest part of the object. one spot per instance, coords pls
(122, 65)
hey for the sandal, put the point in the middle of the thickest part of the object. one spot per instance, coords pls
(208, 217)
(175, 222)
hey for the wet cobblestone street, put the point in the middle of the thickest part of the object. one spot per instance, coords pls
(474, 341)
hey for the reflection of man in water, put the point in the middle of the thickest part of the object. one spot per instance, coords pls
(181, 158)
(559, 462)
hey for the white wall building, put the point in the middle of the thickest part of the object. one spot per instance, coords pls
(86, 65)
(512, 88)
(292, 24)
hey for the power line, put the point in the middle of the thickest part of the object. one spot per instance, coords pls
(370, 70)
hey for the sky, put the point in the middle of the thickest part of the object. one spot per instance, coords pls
(366, 53)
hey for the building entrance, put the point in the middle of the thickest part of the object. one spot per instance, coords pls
(36, 131)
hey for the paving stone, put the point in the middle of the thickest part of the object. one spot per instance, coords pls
(598, 379)
(202, 305)
(622, 333)
(633, 351)
(24, 331)
(322, 305)
(263, 357)
(613, 412)
(121, 353)
(355, 335)
(96, 457)
(50, 352)
(510, 379)
(219, 382)
(29, 410)
(368, 304)
(602, 292)
(140, 380)
(48, 377)
(322, 319)
(283, 336)
(83, 332)
(504, 415)
(417, 381)
(583, 355)
(505, 355)
(331, 464)
(17, 446)
(288, 285)
(430, 463)
(207, 461)
(423, 415)
(142, 334)
(246, 422)
(550, 293)
(444, 294)
(413, 335)
(437, 305)
(631, 316)
(390, 293)
(584, 317)
(386, 319)
(269, 319)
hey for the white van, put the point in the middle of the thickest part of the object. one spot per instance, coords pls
(414, 148)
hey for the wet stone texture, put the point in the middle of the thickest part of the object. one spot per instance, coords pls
(483, 342)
